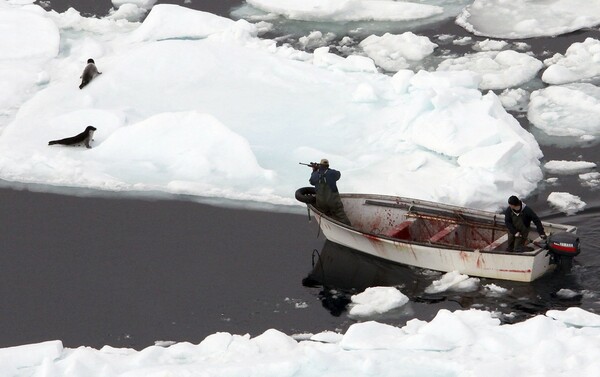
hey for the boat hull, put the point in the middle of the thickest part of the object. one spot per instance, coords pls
(370, 237)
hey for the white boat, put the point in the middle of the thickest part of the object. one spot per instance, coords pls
(442, 237)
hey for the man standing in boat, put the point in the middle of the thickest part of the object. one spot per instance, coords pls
(328, 198)
(518, 218)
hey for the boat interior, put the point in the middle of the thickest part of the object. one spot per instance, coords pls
(467, 230)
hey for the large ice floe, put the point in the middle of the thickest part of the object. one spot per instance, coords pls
(189, 102)
(562, 343)
(347, 10)
(516, 19)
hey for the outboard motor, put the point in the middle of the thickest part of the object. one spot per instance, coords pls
(564, 246)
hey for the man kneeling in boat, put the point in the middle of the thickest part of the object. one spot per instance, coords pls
(518, 218)
(328, 198)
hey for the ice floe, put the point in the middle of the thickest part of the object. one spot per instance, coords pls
(376, 300)
(565, 202)
(517, 19)
(568, 167)
(580, 62)
(394, 52)
(498, 70)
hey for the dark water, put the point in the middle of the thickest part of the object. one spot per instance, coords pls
(128, 271)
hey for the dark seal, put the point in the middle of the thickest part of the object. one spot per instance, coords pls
(89, 72)
(83, 138)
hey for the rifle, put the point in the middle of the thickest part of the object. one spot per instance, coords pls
(314, 165)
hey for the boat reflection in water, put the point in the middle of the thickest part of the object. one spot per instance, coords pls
(341, 272)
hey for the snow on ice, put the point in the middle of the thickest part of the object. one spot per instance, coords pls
(184, 72)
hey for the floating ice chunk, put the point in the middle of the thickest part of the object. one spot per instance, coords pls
(498, 70)
(463, 41)
(445, 37)
(568, 167)
(590, 179)
(315, 39)
(376, 300)
(453, 281)
(580, 62)
(566, 110)
(394, 52)
(575, 317)
(167, 21)
(522, 46)
(27, 34)
(347, 10)
(565, 202)
(493, 290)
(514, 99)
(143, 4)
(516, 19)
(567, 293)
(490, 45)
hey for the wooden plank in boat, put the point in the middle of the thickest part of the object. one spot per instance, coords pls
(443, 233)
(400, 231)
(496, 243)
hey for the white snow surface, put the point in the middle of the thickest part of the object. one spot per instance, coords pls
(565, 202)
(193, 103)
(566, 110)
(498, 70)
(347, 10)
(580, 62)
(460, 343)
(517, 19)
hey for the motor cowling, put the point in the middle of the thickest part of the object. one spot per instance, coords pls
(564, 244)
